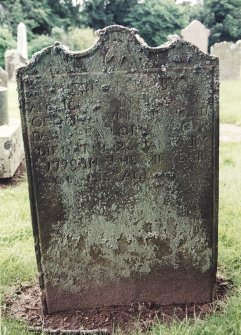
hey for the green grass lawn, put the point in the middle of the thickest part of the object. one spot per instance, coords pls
(17, 263)
(230, 101)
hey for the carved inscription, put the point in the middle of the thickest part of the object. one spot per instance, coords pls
(125, 143)
(121, 153)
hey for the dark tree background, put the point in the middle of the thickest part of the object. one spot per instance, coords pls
(39, 16)
(100, 13)
(223, 18)
(154, 19)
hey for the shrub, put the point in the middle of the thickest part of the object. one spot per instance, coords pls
(39, 42)
(75, 38)
(7, 41)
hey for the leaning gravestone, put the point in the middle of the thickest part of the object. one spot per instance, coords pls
(12, 60)
(121, 146)
(229, 59)
(3, 77)
(11, 142)
(197, 34)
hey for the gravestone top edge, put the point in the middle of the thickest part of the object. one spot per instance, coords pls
(232, 45)
(61, 60)
(194, 22)
(21, 24)
(132, 35)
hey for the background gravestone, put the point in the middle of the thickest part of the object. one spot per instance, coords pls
(197, 34)
(11, 142)
(122, 154)
(3, 77)
(3, 106)
(22, 47)
(229, 59)
(12, 60)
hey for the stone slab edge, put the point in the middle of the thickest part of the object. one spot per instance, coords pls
(101, 40)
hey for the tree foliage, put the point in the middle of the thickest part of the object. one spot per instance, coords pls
(156, 19)
(7, 41)
(39, 16)
(74, 39)
(100, 13)
(223, 18)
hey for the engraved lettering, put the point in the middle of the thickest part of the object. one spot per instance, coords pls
(47, 151)
(156, 159)
(202, 111)
(44, 136)
(37, 122)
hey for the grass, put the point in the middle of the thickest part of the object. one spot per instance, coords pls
(18, 265)
(230, 101)
(16, 243)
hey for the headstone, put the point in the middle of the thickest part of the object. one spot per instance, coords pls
(238, 44)
(3, 77)
(12, 60)
(229, 59)
(22, 40)
(197, 34)
(3, 106)
(122, 156)
(11, 142)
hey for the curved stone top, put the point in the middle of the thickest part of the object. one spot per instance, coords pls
(115, 28)
(119, 39)
(121, 148)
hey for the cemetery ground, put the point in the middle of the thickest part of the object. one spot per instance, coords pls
(18, 265)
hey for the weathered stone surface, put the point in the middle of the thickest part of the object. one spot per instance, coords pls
(122, 156)
(3, 77)
(22, 46)
(11, 148)
(3, 106)
(11, 141)
(197, 34)
(229, 59)
(173, 37)
(12, 60)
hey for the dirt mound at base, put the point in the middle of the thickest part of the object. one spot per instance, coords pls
(25, 304)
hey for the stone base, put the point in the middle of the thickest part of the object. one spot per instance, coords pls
(24, 304)
(164, 287)
(11, 148)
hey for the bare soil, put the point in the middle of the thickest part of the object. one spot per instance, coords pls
(25, 304)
